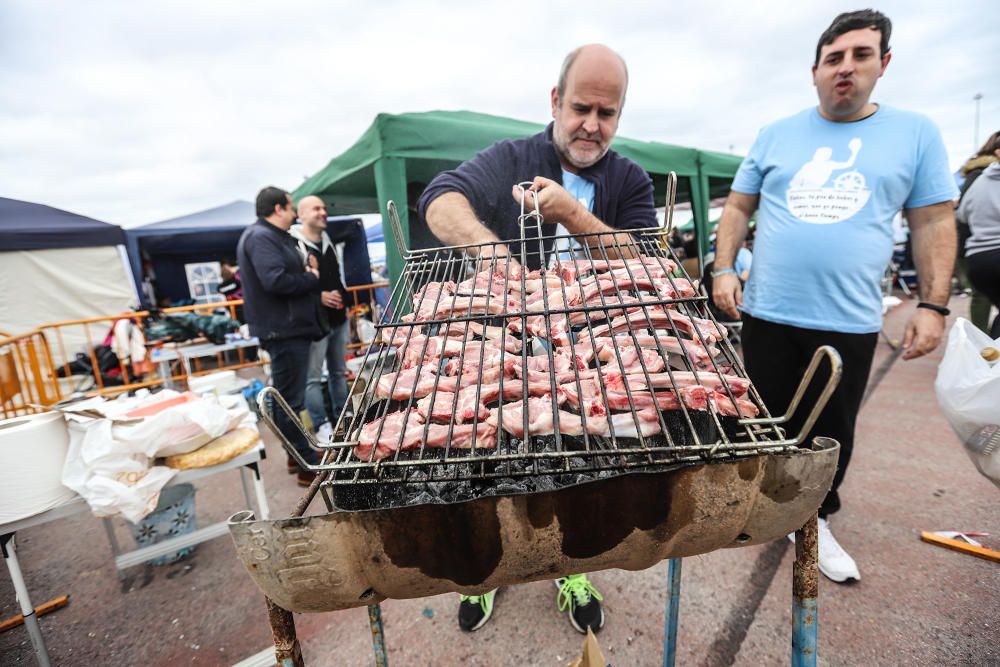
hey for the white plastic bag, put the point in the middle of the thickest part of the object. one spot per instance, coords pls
(968, 390)
(112, 479)
(110, 461)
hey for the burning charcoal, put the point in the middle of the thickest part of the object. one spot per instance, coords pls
(423, 498)
(545, 483)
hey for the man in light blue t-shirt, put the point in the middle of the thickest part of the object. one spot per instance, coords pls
(827, 182)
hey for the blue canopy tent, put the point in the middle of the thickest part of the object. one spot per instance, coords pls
(210, 235)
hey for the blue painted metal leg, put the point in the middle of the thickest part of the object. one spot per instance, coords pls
(805, 595)
(378, 635)
(673, 607)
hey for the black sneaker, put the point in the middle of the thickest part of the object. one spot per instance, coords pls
(577, 594)
(475, 610)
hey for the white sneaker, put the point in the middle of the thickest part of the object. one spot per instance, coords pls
(325, 432)
(834, 562)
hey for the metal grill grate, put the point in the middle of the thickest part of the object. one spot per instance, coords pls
(611, 347)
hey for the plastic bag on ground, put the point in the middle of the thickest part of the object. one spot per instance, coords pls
(968, 390)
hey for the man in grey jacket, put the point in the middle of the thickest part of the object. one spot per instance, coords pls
(980, 209)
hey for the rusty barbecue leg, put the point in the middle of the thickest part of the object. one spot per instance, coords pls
(378, 635)
(805, 595)
(287, 651)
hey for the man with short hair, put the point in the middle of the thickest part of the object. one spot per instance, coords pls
(827, 182)
(331, 348)
(281, 292)
(582, 187)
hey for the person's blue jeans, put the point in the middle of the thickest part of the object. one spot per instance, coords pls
(331, 349)
(289, 363)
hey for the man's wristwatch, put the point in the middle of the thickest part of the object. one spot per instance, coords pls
(936, 308)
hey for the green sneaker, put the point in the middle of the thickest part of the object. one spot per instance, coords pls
(579, 596)
(475, 610)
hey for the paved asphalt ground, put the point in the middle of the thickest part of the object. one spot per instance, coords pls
(916, 604)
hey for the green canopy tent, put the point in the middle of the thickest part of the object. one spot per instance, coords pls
(416, 147)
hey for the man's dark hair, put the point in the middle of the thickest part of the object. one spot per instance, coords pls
(268, 198)
(848, 21)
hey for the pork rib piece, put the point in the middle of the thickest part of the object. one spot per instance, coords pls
(404, 431)
(384, 435)
(614, 379)
(427, 299)
(512, 390)
(486, 332)
(540, 418)
(694, 397)
(724, 405)
(483, 283)
(444, 407)
(658, 318)
(630, 356)
(571, 270)
(397, 336)
(415, 382)
(693, 349)
(461, 306)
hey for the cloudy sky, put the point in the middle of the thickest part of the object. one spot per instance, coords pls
(132, 112)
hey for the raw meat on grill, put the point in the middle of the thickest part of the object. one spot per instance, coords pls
(540, 418)
(414, 382)
(493, 333)
(695, 397)
(694, 349)
(658, 318)
(615, 379)
(630, 360)
(724, 405)
(465, 331)
(404, 431)
(444, 407)
(463, 306)
(483, 283)
(513, 389)
(383, 436)
(397, 336)
(427, 299)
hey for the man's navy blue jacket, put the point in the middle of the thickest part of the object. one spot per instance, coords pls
(281, 297)
(623, 192)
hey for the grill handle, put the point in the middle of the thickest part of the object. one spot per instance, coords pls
(397, 229)
(836, 371)
(671, 199)
(265, 413)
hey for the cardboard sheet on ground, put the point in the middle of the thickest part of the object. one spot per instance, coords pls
(592, 656)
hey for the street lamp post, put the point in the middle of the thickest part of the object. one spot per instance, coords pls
(975, 136)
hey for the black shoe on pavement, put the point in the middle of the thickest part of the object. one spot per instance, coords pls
(475, 610)
(579, 596)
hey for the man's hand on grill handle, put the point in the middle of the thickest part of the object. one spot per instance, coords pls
(727, 293)
(924, 332)
(556, 204)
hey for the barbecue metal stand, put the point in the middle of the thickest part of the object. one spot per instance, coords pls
(699, 466)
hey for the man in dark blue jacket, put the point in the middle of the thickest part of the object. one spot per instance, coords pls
(582, 187)
(281, 293)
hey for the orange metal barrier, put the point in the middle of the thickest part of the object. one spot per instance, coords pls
(35, 367)
(27, 377)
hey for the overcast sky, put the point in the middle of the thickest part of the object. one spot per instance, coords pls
(132, 112)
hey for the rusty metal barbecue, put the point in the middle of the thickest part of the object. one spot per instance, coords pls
(637, 425)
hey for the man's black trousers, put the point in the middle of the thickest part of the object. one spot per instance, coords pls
(776, 356)
(289, 371)
(984, 274)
